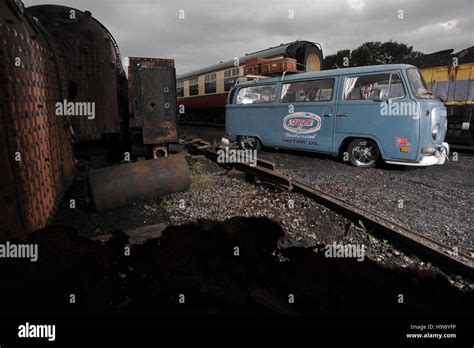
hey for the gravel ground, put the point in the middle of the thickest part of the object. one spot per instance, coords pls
(437, 200)
(218, 195)
(215, 195)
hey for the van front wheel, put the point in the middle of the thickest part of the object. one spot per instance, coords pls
(249, 143)
(363, 153)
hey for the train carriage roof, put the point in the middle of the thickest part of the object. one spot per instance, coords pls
(442, 58)
(288, 49)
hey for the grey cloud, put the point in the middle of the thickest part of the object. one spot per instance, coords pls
(215, 30)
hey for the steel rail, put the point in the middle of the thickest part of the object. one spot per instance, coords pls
(455, 261)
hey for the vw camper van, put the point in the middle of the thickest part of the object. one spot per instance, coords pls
(367, 114)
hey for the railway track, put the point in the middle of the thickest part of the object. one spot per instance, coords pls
(445, 258)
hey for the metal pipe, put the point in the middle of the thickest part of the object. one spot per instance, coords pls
(123, 185)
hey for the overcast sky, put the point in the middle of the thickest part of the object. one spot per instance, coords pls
(215, 30)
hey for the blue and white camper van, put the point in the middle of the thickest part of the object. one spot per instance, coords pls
(365, 113)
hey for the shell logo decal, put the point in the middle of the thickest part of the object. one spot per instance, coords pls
(402, 142)
(302, 123)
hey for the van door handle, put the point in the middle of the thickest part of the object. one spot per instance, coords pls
(327, 115)
(343, 114)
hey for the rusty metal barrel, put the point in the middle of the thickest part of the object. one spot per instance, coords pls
(123, 185)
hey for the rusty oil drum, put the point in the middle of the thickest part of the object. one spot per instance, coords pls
(123, 185)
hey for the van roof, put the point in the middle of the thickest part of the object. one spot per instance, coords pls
(332, 72)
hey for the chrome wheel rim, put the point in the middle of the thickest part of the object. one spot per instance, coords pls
(364, 154)
(248, 143)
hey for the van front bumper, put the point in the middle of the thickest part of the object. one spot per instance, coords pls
(438, 157)
(228, 138)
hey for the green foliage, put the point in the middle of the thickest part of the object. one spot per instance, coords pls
(337, 60)
(361, 228)
(371, 53)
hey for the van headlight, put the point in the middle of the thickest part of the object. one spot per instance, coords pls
(435, 131)
(428, 150)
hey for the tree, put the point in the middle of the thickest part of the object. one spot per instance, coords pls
(337, 60)
(372, 53)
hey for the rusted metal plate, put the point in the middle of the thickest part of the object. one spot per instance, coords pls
(36, 157)
(152, 86)
(125, 184)
(93, 67)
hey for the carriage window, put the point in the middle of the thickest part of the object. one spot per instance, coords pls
(256, 94)
(230, 78)
(210, 83)
(307, 91)
(193, 86)
(180, 89)
(373, 87)
(229, 83)
(231, 73)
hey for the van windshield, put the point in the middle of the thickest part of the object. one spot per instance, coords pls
(418, 84)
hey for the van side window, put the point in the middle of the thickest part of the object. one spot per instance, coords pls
(376, 86)
(307, 91)
(256, 94)
(396, 89)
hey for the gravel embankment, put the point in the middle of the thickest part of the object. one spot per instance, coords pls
(437, 200)
(216, 195)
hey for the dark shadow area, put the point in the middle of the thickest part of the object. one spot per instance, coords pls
(198, 260)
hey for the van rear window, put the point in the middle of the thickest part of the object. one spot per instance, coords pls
(307, 91)
(373, 87)
(256, 94)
